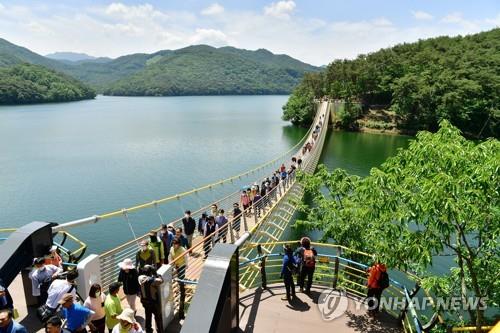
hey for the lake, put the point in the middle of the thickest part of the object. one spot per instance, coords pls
(61, 162)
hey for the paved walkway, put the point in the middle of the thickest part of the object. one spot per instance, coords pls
(264, 311)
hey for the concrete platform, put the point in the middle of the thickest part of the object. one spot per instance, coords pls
(264, 311)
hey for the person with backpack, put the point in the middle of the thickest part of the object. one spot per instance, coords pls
(150, 297)
(288, 268)
(307, 260)
(189, 227)
(58, 288)
(378, 280)
(41, 277)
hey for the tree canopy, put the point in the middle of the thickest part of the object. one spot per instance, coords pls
(440, 195)
(457, 79)
(26, 83)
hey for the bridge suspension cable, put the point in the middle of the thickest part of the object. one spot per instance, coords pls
(120, 212)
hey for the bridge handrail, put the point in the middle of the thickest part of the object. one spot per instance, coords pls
(95, 218)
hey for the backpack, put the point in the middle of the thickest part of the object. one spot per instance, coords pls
(383, 281)
(309, 260)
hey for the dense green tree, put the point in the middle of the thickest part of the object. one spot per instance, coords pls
(457, 79)
(25, 83)
(440, 195)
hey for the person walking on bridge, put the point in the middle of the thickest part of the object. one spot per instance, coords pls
(166, 236)
(113, 306)
(210, 233)
(54, 325)
(57, 289)
(150, 298)
(127, 324)
(288, 268)
(189, 227)
(95, 302)
(129, 278)
(378, 280)
(221, 221)
(77, 316)
(145, 256)
(157, 246)
(202, 221)
(307, 260)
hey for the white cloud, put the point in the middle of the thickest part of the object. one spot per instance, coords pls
(421, 15)
(213, 9)
(209, 36)
(280, 9)
(455, 17)
(117, 29)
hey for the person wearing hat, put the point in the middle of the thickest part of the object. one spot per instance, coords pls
(145, 256)
(127, 323)
(129, 278)
(41, 277)
(53, 258)
(113, 306)
(77, 316)
(157, 247)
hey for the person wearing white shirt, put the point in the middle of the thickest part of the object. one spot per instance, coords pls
(41, 277)
(95, 302)
(60, 287)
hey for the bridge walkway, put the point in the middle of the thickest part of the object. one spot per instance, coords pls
(264, 311)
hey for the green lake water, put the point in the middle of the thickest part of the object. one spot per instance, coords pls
(61, 162)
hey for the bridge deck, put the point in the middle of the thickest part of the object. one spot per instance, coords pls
(264, 311)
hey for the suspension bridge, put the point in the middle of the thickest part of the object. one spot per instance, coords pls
(254, 237)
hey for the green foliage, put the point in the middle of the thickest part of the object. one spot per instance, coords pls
(424, 82)
(441, 195)
(25, 83)
(194, 70)
(204, 70)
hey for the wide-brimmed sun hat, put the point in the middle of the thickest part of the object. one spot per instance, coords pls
(126, 264)
(127, 315)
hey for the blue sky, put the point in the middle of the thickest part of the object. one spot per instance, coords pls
(315, 31)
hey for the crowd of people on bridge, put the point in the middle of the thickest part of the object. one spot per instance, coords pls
(56, 291)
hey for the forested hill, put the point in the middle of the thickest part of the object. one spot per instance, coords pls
(205, 70)
(27, 83)
(419, 84)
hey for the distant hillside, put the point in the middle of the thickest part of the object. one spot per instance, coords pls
(27, 83)
(205, 70)
(419, 84)
(11, 54)
(69, 56)
(194, 70)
